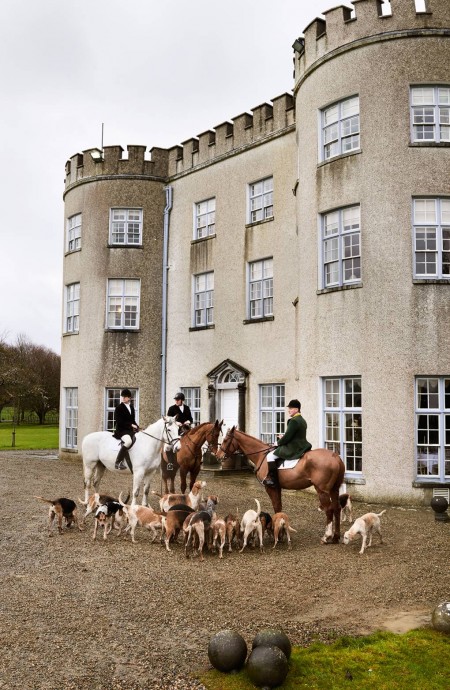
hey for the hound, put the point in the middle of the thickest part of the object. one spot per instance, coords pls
(251, 522)
(266, 523)
(281, 527)
(201, 523)
(108, 515)
(143, 516)
(61, 508)
(346, 507)
(94, 502)
(219, 534)
(192, 499)
(173, 521)
(365, 526)
(232, 529)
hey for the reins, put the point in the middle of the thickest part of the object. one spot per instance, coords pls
(256, 452)
(170, 441)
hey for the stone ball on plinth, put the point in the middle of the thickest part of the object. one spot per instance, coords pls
(227, 651)
(441, 617)
(267, 666)
(270, 637)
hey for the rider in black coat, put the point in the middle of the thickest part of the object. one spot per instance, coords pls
(181, 411)
(126, 427)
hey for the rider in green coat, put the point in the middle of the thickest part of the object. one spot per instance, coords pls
(291, 446)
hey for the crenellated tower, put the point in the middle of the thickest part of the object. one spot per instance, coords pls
(365, 155)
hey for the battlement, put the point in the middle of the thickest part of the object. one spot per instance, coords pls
(111, 160)
(345, 24)
(231, 135)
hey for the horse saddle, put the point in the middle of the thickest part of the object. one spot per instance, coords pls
(288, 464)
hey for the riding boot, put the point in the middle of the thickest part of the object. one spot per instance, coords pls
(121, 457)
(272, 477)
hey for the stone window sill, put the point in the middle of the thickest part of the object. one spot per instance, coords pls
(354, 480)
(202, 328)
(339, 288)
(260, 222)
(259, 320)
(203, 239)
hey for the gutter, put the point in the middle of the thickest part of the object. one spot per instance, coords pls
(169, 191)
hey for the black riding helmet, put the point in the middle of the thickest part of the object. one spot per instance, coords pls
(179, 396)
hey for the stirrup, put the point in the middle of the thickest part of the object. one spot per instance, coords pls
(269, 481)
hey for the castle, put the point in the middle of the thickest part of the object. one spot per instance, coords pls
(301, 249)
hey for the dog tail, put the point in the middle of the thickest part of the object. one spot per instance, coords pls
(291, 529)
(83, 503)
(46, 500)
(124, 505)
(382, 513)
(157, 494)
(258, 505)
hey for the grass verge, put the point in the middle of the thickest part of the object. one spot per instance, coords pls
(417, 660)
(29, 436)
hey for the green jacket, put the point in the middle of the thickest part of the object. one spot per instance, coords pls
(293, 444)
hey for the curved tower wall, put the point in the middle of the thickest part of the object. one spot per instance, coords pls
(389, 328)
(96, 357)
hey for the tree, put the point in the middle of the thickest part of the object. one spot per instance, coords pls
(29, 378)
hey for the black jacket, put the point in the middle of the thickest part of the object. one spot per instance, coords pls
(185, 416)
(124, 421)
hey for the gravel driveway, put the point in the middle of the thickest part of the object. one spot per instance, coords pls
(85, 615)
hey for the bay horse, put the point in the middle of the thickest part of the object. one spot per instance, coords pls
(321, 468)
(189, 455)
(99, 450)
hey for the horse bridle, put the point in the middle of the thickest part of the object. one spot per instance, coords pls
(169, 440)
(193, 445)
(227, 453)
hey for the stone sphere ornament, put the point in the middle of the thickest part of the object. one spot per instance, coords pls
(227, 651)
(270, 637)
(267, 667)
(440, 504)
(441, 617)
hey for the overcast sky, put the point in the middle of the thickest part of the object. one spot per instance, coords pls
(154, 72)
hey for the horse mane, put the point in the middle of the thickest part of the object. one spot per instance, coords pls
(253, 438)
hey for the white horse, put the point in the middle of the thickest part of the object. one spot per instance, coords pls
(100, 448)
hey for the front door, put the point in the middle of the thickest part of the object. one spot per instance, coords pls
(229, 406)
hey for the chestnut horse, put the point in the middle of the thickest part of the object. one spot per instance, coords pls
(321, 468)
(189, 456)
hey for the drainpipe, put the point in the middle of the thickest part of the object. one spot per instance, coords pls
(168, 190)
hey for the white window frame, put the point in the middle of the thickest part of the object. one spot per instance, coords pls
(260, 288)
(430, 113)
(260, 200)
(342, 425)
(192, 399)
(123, 304)
(340, 128)
(203, 299)
(272, 411)
(432, 428)
(431, 238)
(205, 218)
(125, 227)
(71, 418)
(340, 247)
(73, 232)
(72, 308)
(112, 399)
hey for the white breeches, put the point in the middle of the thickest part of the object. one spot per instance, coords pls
(271, 457)
(126, 440)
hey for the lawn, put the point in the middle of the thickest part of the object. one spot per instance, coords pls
(418, 660)
(29, 436)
